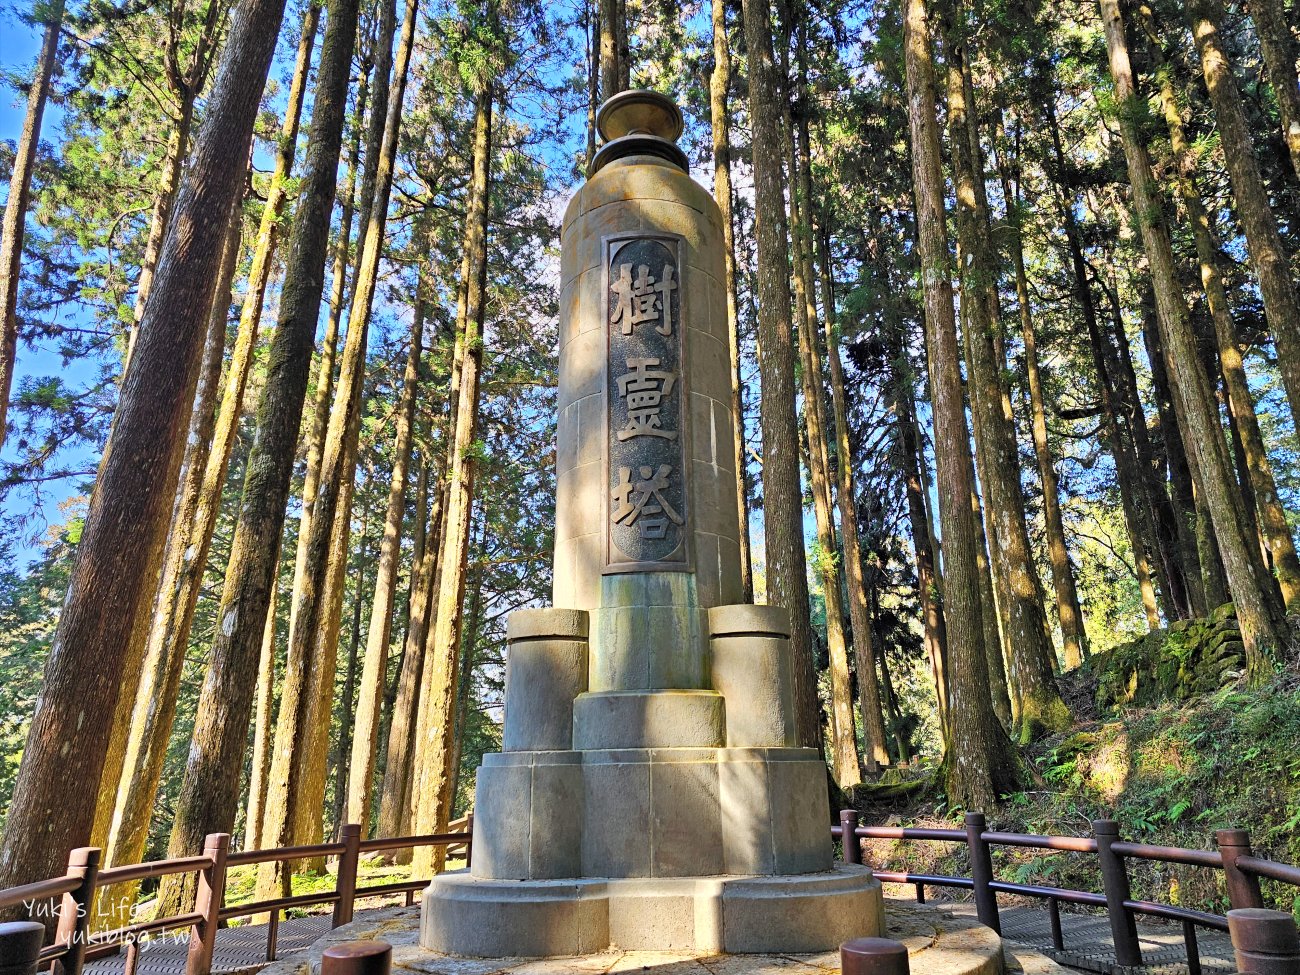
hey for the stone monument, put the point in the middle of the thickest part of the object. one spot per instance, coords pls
(649, 793)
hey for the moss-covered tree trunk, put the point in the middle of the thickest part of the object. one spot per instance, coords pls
(1260, 616)
(209, 793)
(980, 763)
(1041, 707)
(720, 116)
(431, 795)
(54, 799)
(1268, 258)
(787, 581)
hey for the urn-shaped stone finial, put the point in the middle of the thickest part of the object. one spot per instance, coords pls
(639, 122)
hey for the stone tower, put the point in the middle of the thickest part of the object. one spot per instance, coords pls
(648, 793)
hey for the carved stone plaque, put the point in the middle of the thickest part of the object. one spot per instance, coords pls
(645, 412)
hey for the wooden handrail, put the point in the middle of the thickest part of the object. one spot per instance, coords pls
(38, 891)
(151, 869)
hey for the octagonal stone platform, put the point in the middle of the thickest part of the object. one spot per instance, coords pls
(938, 943)
(467, 915)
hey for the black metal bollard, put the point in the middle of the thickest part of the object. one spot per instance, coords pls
(849, 836)
(873, 956)
(1266, 942)
(357, 958)
(981, 872)
(1114, 878)
(20, 947)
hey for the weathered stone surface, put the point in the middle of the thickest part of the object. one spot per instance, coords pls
(649, 719)
(751, 668)
(552, 621)
(544, 673)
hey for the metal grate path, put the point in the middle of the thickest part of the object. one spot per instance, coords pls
(1089, 946)
(238, 949)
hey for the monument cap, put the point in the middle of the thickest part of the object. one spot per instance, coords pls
(639, 111)
(639, 122)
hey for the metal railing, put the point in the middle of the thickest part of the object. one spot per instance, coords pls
(74, 942)
(1242, 872)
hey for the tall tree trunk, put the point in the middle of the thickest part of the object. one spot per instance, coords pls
(361, 774)
(260, 765)
(354, 203)
(259, 271)
(209, 793)
(1261, 626)
(994, 617)
(720, 114)
(980, 762)
(611, 13)
(1241, 403)
(299, 761)
(1041, 708)
(53, 810)
(1073, 638)
(13, 229)
(347, 725)
(190, 542)
(873, 722)
(395, 800)
(173, 163)
(928, 583)
(1134, 484)
(431, 796)
(1176, 522)
(1277, 44)
(787, 581)
(1263, 242)
(132, 768)
(844, 742)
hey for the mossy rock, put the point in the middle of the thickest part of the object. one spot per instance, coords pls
(1190, 658)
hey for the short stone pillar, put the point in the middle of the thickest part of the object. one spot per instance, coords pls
(751, 668)
(546, 668)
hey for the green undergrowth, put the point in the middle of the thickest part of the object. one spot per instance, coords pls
(1170, 774)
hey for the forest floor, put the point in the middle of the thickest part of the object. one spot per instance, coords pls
(1170, 774)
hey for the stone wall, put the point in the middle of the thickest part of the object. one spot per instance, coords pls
(1190, 657)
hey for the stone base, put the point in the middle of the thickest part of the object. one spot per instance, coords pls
(464, 915)
(650, 812)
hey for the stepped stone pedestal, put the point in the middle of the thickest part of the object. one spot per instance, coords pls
(649, 794)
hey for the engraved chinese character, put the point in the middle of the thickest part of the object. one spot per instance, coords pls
(641, 502)
(642, 299)
(644, 389)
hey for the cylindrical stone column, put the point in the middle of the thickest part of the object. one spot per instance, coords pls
(751, 668)
(546, 668)
(646, 523)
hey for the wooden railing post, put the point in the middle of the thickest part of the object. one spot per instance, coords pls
(1243, 888)
(1114, 878)
(469, 843)
(849, 836)
(74, 912)
(981, 872)
(207, 902)
(350, 836)
(20, 947)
